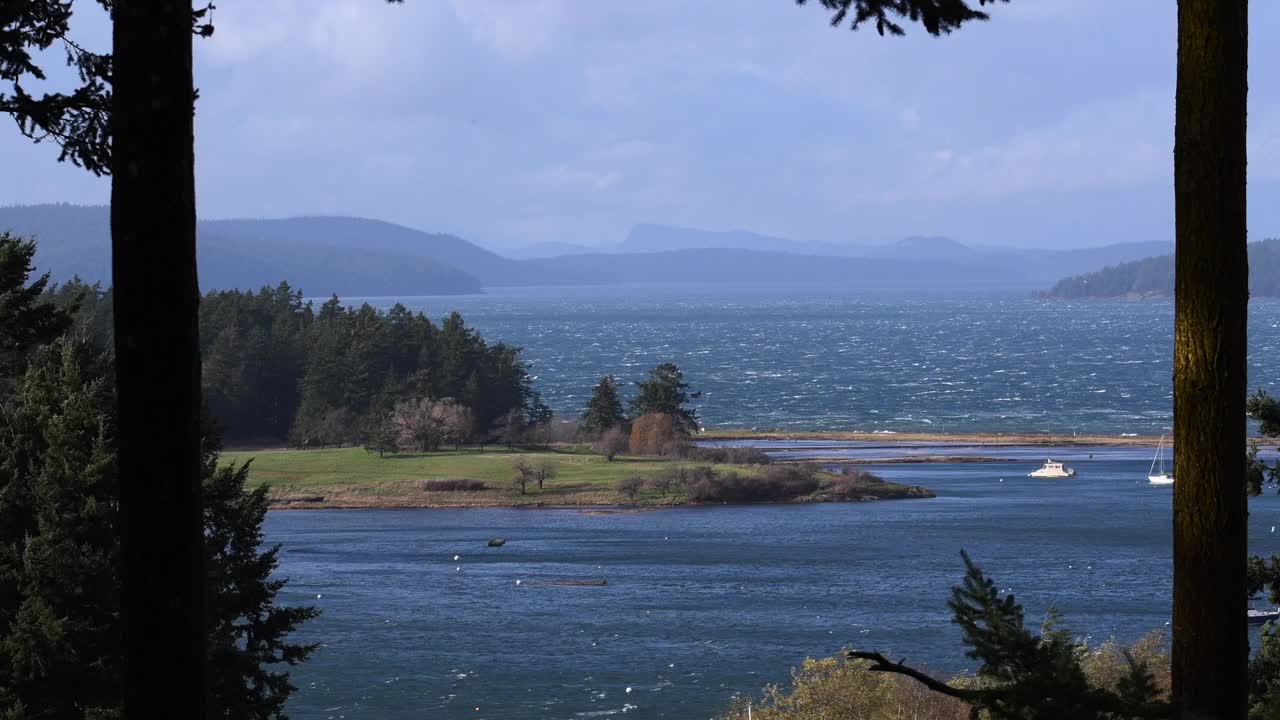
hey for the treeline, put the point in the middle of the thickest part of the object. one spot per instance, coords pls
(277, 369)
(1154, 277)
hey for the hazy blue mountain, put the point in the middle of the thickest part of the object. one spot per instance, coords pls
(357, 256)
(337, 258)
(754, 267)
(1153, 277)
(1033, 266)
(648, 237)
(552, 249)
(304, 233)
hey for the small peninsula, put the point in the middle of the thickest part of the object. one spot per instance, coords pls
(470, 477)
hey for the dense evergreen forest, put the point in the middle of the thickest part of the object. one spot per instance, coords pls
(277, 369)
(1153, 277)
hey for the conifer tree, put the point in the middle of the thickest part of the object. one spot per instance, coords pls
(665, 392)
(604, 408)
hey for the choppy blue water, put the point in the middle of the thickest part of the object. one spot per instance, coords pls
(836, 359)
(703, 603)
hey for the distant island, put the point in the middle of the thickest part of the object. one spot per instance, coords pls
(1153, 277)
(361, 257)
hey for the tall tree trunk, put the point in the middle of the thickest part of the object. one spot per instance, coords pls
(1210, 640)
(153, 269)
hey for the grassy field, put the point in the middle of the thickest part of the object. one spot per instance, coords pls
(353, 478)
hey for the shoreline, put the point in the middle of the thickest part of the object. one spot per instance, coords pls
(285, 503)
(887, 438)
(890, 438)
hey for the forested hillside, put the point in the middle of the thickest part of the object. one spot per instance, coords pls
(1153, 277)
(277, 369)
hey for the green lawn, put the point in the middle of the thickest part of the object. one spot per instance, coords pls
(315, 469)
(352, 477)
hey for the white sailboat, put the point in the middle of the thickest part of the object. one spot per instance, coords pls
(1159, 478)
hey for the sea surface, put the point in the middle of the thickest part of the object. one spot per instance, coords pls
(833, 359)
(422, 620)
(706, 603)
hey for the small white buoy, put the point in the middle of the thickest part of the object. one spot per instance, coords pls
(1273, 528)
(628, 689)
(455, 558)
(517, 582)
(459, 569)
(318, 596)
(666, 538)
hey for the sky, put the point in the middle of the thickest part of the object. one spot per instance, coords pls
(516, 122)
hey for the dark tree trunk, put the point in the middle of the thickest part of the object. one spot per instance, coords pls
(1210, 641)
(153, 270)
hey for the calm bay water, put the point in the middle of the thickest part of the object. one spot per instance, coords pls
(706, 603)
(703, 603)
(836, 359)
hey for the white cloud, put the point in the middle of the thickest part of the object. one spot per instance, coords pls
(513, 28)
(562, 176)
(1112, 143)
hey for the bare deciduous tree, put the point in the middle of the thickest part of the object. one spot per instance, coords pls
(613, 442)
(419, 424)
(630, 486)
(524, 474)
(543, 471)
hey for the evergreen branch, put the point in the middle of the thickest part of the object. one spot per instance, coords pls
(880, 663)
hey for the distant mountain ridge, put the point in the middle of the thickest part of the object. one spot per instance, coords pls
(355, 257)
(313, 254)
(1154, 277)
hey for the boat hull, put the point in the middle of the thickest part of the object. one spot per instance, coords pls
(1160, 479)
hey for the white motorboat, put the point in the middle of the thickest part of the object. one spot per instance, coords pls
(1052, 469)
(1257, 617)
(1159, 478)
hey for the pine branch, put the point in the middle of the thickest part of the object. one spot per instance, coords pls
(880, 663)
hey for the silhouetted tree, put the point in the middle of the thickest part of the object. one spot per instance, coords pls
(604, 408)
(938, 17)
(665, 392)
(1210, 644)
(157, 357)
(26, 319)
(60, 588)
(1024, 676)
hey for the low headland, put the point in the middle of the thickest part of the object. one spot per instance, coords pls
(574, 477)
(577, 477)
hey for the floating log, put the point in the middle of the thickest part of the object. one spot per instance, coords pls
(574, 583)
(497, 542)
